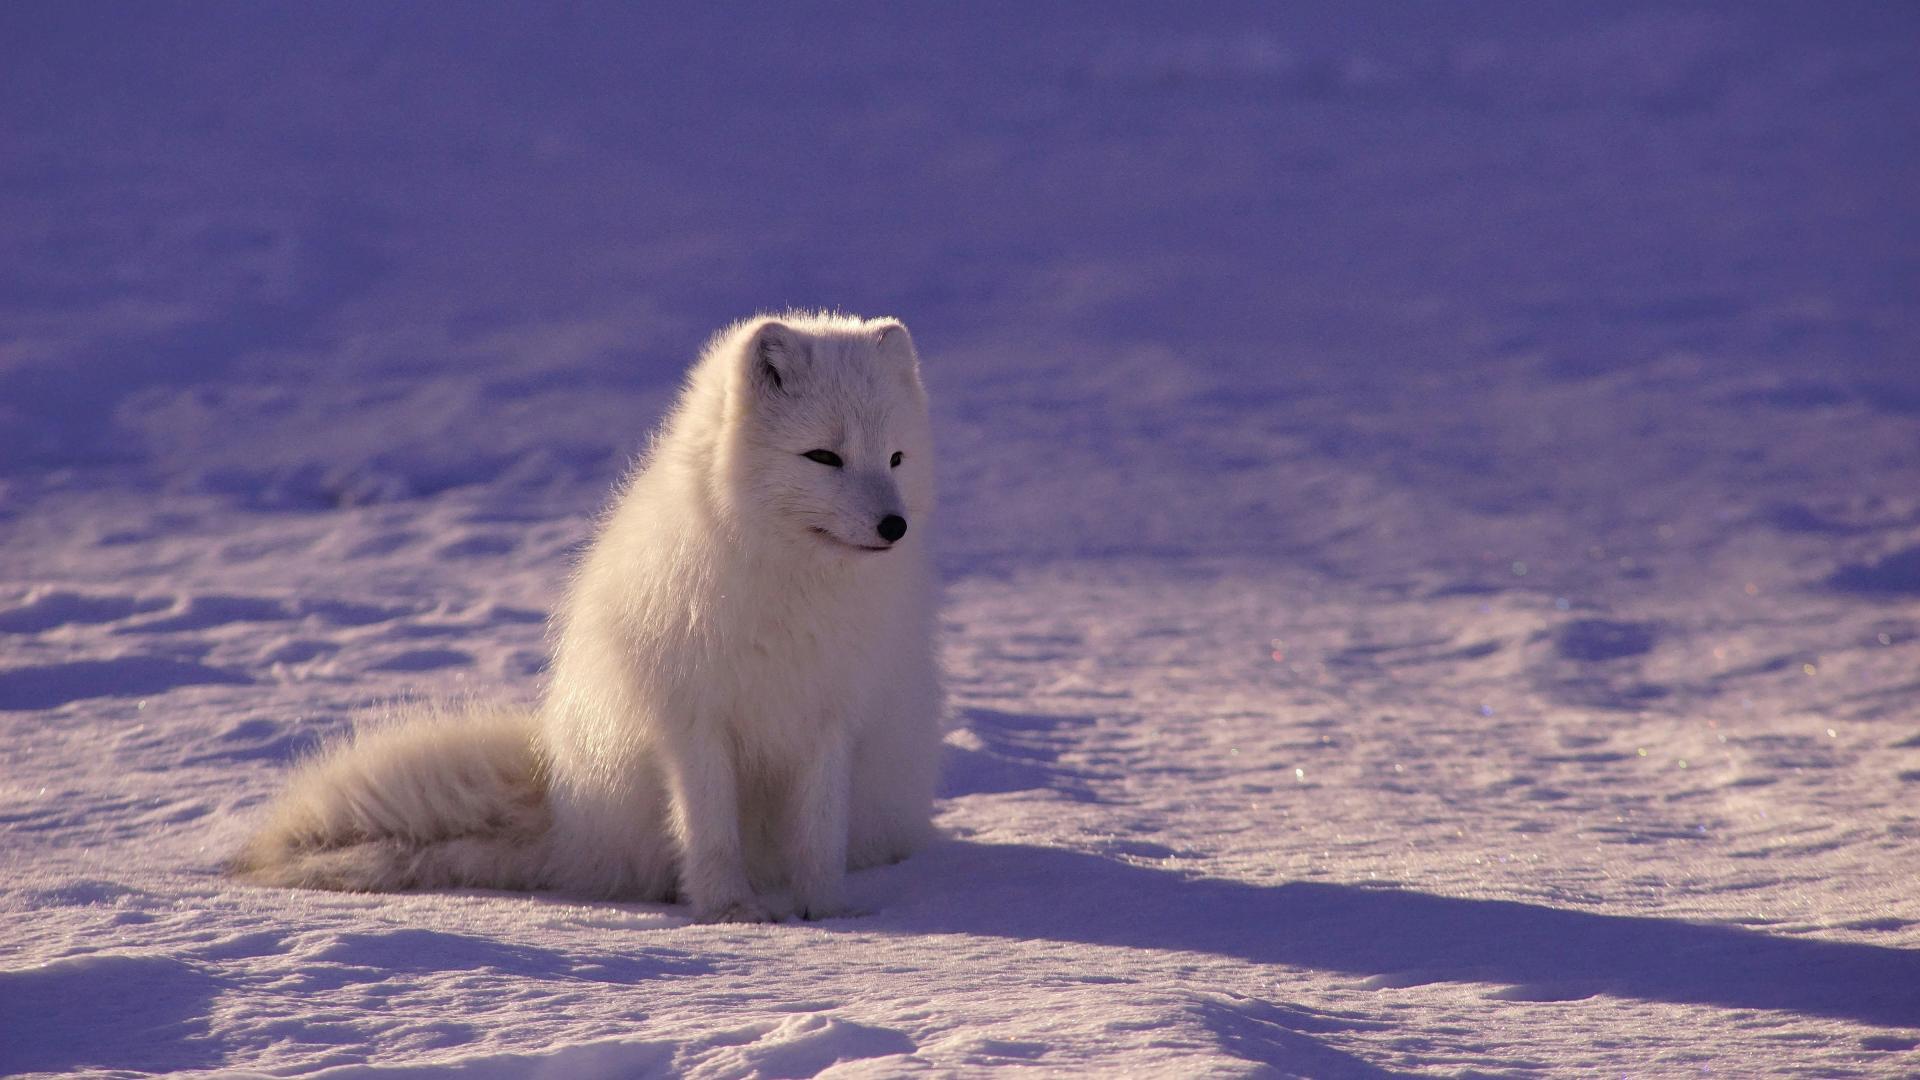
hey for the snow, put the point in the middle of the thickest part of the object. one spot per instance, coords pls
(1431, 521)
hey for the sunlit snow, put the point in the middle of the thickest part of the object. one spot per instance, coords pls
(1431, 521)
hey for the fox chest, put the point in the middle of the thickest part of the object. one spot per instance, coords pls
(772, 678)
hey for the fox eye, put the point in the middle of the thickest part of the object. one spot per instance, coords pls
(894, 461)
(824, 457)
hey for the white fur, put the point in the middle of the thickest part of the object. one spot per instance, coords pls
(744, 699)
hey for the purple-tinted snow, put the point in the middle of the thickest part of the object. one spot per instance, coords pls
(1431, 515)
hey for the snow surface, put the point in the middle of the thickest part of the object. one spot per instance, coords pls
(1432, 521)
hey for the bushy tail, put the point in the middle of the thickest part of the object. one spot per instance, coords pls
(446, 799)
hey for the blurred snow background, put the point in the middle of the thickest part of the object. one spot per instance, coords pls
(1432, 519)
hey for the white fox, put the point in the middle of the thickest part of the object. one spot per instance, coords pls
(744, 699)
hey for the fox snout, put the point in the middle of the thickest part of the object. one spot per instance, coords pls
(880, 503)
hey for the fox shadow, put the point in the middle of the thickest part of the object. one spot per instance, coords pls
(1410, 937)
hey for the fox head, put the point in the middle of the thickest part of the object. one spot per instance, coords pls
(830, 446)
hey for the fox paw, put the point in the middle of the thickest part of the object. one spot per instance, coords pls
(748, 910)
(824, 903)
(816, 912)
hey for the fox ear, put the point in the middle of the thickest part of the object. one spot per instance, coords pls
(773, 355)
(896, 343)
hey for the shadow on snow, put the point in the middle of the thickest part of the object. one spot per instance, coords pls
(1541, 953)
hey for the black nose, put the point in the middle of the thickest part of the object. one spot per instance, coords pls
(892, 527)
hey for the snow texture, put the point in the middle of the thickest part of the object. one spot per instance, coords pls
(1431, 524)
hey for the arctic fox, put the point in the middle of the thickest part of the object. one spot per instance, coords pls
(744, 700)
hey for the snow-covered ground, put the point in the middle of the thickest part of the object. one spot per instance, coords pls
(1431, 524)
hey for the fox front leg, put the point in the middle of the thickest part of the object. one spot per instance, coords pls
(706, 822)
(814, 832)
